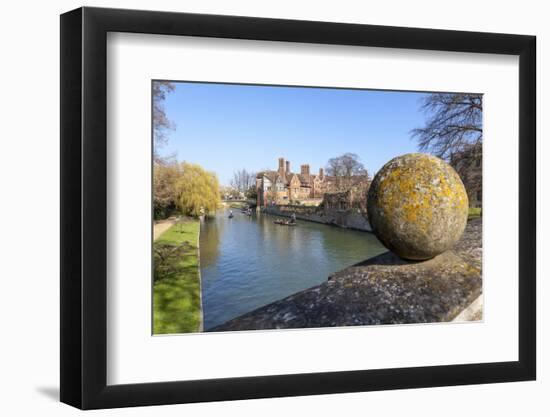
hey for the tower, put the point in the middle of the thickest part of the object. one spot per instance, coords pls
(281, 169)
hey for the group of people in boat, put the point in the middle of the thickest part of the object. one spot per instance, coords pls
(287, 222)
(247, 210)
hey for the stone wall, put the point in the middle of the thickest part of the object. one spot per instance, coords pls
(383, 290)
(351, 218)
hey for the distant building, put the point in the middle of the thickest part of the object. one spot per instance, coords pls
(468, 164)
(286, 187)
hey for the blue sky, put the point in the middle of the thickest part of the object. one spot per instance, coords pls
(226, 127)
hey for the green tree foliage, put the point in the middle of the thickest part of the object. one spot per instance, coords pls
(197, 190)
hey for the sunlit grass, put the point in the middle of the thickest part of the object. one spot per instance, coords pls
(474, 212)
(176, 294)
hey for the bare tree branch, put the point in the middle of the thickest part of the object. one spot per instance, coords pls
(161, 123)
(243, 180)
(344, 167)
(454, 123)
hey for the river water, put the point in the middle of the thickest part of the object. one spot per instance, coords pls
(247, 262)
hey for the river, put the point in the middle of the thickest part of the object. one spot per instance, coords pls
(247, 262)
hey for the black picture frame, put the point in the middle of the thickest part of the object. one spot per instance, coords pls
(84, 207)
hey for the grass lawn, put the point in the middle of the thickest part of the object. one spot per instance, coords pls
(474, 212)
(176, 291)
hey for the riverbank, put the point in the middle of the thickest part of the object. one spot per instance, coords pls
(382, 290)
(177, 286)
(347, 219)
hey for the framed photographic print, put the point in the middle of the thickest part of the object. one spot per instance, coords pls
(258, 207)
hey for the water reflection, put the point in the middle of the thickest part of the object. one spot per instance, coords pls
(247, 262)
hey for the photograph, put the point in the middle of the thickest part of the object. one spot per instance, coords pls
(293, 207)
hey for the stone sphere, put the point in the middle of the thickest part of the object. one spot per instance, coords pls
(417, 206)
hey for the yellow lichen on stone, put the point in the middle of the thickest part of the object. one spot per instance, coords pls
(417, 206)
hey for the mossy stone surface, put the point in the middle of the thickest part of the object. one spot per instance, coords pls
(417, 206)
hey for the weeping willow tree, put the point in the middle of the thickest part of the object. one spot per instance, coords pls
(198, 191)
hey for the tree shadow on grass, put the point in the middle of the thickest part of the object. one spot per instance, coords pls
(177, 298)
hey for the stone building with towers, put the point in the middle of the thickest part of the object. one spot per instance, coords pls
(286, 187)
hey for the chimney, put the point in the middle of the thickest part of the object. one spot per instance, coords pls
(321, 173)
(288, 167)
(281, 167)
(304, 169)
